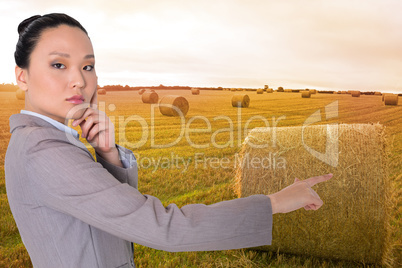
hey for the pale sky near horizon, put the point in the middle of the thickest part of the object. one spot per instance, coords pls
(322, 44)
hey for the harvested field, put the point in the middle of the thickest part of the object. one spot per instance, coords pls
(211, 153)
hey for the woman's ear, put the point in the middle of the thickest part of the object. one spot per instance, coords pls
(21, 77)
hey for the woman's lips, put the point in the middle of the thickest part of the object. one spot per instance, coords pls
(77, 99)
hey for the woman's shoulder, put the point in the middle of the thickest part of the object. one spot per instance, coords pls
(31, 131)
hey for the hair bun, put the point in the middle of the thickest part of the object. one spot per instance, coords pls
(25, 23)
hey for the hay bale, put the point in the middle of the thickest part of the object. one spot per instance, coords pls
(353, 223)
(355, 93)
(313, 91)
(232, 89)
(266, 87)
(195, 91)
(150, 97)
(260, 91)
(141, 91)
(377, 93)
(306, 94)
(269, 90)
(173, 105)
(20, 94)
(240, 100)
(391, 99)
(385, 94)
(101, 91)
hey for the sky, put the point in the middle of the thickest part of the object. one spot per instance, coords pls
(320, 44)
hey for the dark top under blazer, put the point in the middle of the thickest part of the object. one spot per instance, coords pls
(73, 211)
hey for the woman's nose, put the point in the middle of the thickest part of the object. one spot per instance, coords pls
(77, 79)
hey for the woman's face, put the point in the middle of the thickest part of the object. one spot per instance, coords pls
(61, 74)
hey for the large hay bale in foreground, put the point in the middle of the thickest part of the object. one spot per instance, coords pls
(306, 94)
(260, 91)
(391, 99)
(101, 91)
(195, 91)
(240, 100)
(150, 97)
(355, 93)
(20, 94)
(173, 105)
(353, 223)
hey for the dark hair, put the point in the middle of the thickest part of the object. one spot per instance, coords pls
(30, 31)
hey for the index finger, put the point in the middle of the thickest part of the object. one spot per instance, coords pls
(94, 99)
(314, 180)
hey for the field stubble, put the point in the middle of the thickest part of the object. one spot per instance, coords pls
(221, 130)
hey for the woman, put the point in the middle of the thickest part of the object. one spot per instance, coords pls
(74, 211)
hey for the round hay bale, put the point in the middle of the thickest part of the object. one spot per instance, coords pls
(141, 91)
(355, 93)
(260, 91)
(391, 99)
(377, 93)
(150, 97)
(313, 91)
(306, 94)
(173, 105)
(20, 94)
(266, 87)
(353, 223)
(195, 91)
(385, 94)
(101, 91)
(240, 100)
(269, 90)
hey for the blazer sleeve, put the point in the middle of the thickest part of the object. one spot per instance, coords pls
(129, 172)
(70, 181)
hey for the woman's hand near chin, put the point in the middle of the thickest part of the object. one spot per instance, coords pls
(99, 131)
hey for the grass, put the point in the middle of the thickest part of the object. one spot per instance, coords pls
(209, 151)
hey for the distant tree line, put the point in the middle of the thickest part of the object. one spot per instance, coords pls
(160, 87)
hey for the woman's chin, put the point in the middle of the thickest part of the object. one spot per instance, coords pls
(76, 112)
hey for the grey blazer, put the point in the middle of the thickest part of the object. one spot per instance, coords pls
(73, 211)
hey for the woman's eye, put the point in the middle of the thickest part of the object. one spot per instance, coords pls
(89, 68)
(59, 66)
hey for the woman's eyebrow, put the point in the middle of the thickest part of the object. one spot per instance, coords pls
(65, 55)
